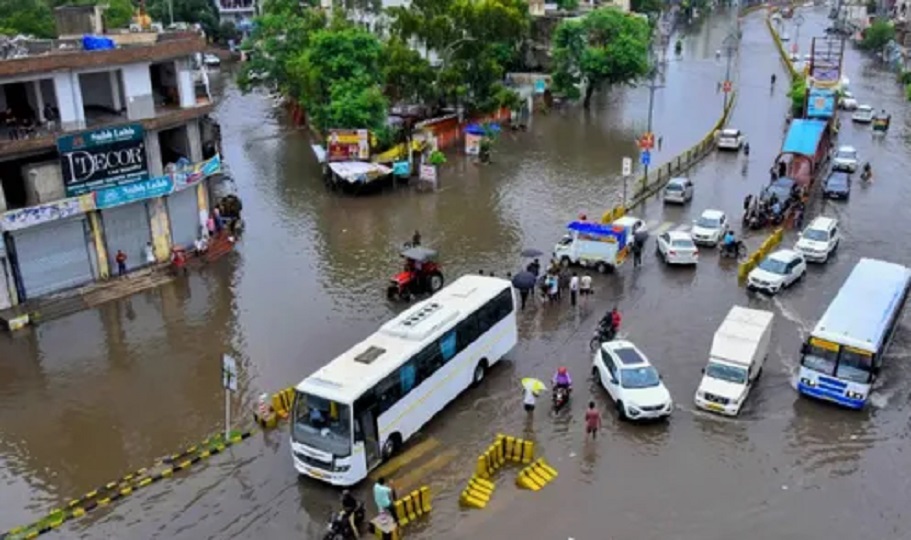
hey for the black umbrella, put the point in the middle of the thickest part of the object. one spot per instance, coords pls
(524, 280)
(532, 252)
(640, 237)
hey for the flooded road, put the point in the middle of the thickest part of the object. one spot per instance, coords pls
(87, 398)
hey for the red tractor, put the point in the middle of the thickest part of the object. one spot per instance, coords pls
(421, 275)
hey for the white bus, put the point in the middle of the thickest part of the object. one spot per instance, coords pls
(844, 353)
(356, 411)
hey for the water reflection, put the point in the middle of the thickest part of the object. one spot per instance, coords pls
(827, 439)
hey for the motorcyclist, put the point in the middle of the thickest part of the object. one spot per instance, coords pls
(867, 172)
(610, 323)
(774, 78)
(349, 509)
(562, 379)
(746, 149)
(729, 244)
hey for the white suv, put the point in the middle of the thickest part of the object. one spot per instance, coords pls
(819, 240)
(631, 381)
(778, 271)
(709, 229)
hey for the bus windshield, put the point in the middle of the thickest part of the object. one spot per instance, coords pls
(855, 366)
(322, 424)
(820, 359)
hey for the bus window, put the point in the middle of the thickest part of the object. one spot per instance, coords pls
(322, 424)
(467, 332)
(448, 346)
(819, 357)
(388, 392)
(855, 366)
(408, 377)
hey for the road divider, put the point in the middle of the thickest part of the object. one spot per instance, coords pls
(536, 476)
(771, 242)
(782, 51)
(126, 485)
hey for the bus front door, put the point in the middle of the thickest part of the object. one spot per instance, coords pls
(371, 438)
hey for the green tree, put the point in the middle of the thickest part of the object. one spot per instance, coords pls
(279, 37)
(339, 75)
(646, 6)
(798, 95)
(407, 75)
(568, 5)
(476, 41)
(877, 35)
(29, 17)
(201, 12)
(606, 47)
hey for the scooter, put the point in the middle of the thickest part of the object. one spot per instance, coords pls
(339, 527)
(560, 397)
(603, 334)
(737, 250)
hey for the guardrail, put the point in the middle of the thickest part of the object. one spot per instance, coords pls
(771, 242)
(782, 51)
(660, 176)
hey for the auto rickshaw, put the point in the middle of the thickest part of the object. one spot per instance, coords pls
(881, 122)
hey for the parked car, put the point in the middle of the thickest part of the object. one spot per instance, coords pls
(845, 159)
(777, 271)
(819, 240)
(730, 139)
(863, 114)
(848, 102)
(631, 381)
(709, 228)
(676, 247)
(678, 190)
(837, 186)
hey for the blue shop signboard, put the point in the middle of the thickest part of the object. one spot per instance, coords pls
(102, 158)
(147, 189)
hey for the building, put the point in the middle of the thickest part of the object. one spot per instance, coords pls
(105, 145)
(238, 12)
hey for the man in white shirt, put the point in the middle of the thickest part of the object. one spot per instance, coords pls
(573, 288)
(149, 252)
(585, 287)
(529, 399)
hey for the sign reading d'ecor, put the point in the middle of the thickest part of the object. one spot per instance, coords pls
(102, 158)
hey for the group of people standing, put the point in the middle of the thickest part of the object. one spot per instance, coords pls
(556, 282)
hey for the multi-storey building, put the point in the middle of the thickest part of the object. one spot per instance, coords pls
(105, 146)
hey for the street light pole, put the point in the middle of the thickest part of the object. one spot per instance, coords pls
(798, 21)
(653, 87)
(730, 44)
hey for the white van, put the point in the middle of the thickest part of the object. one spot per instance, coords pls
(739, 349)
(595, 245)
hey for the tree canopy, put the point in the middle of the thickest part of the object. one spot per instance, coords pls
(30, 17)
(877, 35)
(606, 47)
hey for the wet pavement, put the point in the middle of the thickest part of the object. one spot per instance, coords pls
(89, 397)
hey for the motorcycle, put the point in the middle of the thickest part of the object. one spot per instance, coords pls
(605, 332)
(736, 250)
(339, 527)
(560, 397)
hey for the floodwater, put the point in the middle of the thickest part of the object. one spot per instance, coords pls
(90, 397)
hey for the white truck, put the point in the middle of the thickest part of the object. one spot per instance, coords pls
(739, 349)
(595, 245)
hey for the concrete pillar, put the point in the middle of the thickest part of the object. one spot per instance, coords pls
(77, 100)
(153, 154)
(3, 208)
(116, 98)
(72, 116)
(185, 86)
(43, 183)
(39, 101)
(161, 229)
(194, 140)
(137, 89)
(101, 249)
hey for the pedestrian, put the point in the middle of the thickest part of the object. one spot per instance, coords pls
(660, 142)
(121, 259)
(210, 226)
(149, 253)
(747, 201)
(592, 420)
(553, 291)
(637, 254)
(585, 285)
(563, 277)
(573, 288)
(534, 267)
(480, 272)
(528, 400)
(416, 238)
(523, 297)
(383, 496)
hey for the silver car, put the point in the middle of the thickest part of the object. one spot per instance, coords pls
(679, 191)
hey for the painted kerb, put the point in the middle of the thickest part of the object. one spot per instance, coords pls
(781, 49)
(680, 164)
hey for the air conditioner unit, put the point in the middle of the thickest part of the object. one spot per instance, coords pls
(135, 28)
(157, 28)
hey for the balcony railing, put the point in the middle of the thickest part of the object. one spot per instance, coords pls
(236, 5)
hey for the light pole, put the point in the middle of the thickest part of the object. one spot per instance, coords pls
(730, 45)
(653, 87)
(798, 21)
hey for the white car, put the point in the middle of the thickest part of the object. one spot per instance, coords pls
(863, 114)
(631, 381)
(848, 102)
(709, 229)
(676, 247)
(730, 139)
(819, 240)
(845, 159)
(211, 60)
(678, 190)
(777, 271)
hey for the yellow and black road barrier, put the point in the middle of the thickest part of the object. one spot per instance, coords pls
(770, 243)
(282, 402)
(536, 475)
(504, 451)
(126, 485)
(477, 493)
(408, 509)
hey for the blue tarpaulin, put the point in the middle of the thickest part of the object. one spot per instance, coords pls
(803, 137)
(821, 103)
(599, 229)
(97, 43)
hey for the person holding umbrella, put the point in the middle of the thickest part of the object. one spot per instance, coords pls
(530, 389)
(524, 282)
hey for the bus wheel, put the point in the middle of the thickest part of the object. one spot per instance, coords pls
(479, 373)
(392, 445)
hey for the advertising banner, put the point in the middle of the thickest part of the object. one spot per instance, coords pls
(102, 158)
(24, 218)
(137, 191)
(191, 174)
(348, 145)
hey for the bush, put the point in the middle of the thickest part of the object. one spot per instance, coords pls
(905, 77)
(908, 92)
(437, 158)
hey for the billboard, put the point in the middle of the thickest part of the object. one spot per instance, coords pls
(348, 145)
(102, 158)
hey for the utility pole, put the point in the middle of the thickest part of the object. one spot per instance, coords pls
(730, 45)
(798, 22)
(653, 86)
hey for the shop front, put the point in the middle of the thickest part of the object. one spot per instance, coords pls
(52, 257)
(183, 214)
(128, 229)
